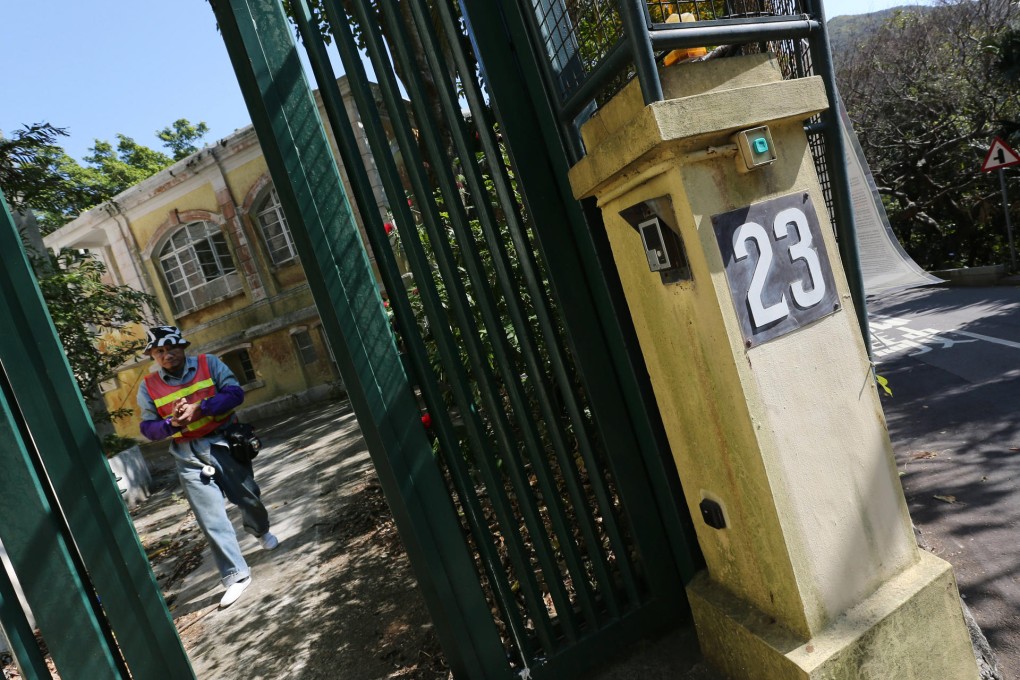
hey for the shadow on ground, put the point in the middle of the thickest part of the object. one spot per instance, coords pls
(336, 600)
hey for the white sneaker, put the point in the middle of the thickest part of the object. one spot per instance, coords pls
(268, 541)
(234, 591)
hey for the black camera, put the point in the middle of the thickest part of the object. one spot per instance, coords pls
(244, 443)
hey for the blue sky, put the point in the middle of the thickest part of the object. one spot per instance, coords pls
(107, 66)
(135, 66)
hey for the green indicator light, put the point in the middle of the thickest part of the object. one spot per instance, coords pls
(761, 145)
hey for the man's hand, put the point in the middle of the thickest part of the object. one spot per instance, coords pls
(185, 413)
(178, 411)
(179, 406)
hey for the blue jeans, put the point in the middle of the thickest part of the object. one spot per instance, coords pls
(236, 482)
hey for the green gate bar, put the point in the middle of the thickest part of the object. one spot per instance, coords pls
(523, 328)
(426, 378)
(13, 618)
(524, 332)
(595, 325)
(258, 39)
(537, 405)
(489, 381)
(409, 150)
(34, 539)
(102, 587)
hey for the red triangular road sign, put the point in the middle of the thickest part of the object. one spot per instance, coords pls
(1001, 155)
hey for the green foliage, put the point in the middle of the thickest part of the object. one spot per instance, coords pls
(459, 250)
(37, 174)
(112, 170)
(25, 171)
(1007, 53)
(927, 96)
(848, 32)
(318, 18)
(88, 312)
(492, 253)
(181, 138)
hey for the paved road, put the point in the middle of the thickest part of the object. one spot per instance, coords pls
(952, 359)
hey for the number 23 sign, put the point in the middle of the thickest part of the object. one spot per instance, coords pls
(776, 265)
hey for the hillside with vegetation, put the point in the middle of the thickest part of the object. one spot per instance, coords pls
(928, 90)
(849, 30)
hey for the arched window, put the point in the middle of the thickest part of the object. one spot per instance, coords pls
(197, 265)
(275, 231)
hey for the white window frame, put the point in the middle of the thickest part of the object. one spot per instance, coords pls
(197, 266)
(269, 216)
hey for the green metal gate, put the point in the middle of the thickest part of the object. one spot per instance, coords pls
(63, 524)
(537, 500)
(582, 52)
(539, 506)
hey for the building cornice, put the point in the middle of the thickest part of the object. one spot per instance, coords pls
(166, 185)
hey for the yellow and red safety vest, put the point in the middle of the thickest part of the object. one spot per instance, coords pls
(200, 387)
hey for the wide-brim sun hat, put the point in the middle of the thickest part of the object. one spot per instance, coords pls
(163, 336)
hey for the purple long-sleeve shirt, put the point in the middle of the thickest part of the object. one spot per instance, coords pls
(229, 395)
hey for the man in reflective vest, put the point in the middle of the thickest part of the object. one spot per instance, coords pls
(186, 399)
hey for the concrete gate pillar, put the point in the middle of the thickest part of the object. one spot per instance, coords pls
(728, 261)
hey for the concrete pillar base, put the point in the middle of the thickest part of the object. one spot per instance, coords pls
(911, 627)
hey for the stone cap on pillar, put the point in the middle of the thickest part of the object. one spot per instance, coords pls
(705, 103)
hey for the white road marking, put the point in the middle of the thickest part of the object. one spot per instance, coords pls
(986, 338)
(893, 335)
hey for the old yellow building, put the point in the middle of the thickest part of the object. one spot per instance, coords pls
(208, 239)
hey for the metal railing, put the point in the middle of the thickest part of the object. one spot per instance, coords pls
(585, 67)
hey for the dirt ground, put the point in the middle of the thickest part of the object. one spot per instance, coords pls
(354, 611)
(336, 600)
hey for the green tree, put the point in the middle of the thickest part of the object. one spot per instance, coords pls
(927, 92)
(35, 173)
(89, 312)
(182, 137)
(90, 315)
(25, 171)
(38, 174)
(111, 169)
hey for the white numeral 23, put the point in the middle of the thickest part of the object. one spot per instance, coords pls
(801, 250)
